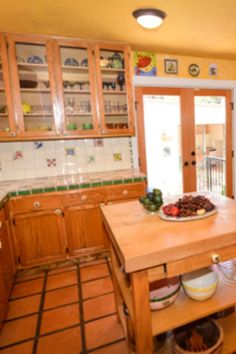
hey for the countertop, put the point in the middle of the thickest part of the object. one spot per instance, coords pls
(144, 240)
(69, 182)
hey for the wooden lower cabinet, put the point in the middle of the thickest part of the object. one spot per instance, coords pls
(7, 266)
(40, 236)
(3, 296)
(84, 229)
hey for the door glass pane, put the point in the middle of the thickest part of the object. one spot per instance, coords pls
(77, 91)
(210, 119)
(34, 85)
(4, 122)
(112, 66)
(163, 143)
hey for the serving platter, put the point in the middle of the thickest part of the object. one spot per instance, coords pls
(186, 218)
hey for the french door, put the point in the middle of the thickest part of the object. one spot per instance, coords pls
(185, 139)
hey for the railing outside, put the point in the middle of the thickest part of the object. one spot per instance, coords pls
(211, 175)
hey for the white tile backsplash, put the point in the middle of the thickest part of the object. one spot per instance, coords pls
(36, 160)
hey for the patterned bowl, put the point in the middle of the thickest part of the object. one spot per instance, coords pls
(164, 292)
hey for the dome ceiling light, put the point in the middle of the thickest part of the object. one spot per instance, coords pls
(149, 18)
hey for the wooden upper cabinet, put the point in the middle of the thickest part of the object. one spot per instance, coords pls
(7, 121)
(74, 62)
(114, 89)
(34, 86)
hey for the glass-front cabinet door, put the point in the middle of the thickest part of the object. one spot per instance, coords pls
(76, 82)
(114, 88)
(35, 97)
(7, 124)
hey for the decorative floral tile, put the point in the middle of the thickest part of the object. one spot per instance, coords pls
(91, 159)
(70, 151)
(51, 162)
(117, 157)
(38, 144)
(98, 142)
(17, 155)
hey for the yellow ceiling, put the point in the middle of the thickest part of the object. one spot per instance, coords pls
(192, 27)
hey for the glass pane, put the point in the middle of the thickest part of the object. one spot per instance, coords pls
(163, 143)
(4, 122)
(114, 89)
(35, 87)
(76, 83)
(210, 118)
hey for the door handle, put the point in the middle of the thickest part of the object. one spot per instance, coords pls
(186, 163)
(193, 163)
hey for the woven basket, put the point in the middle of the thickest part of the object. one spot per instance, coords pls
(216, 348)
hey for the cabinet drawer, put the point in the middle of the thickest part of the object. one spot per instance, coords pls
(85, 196)
(33, 203)
(201, 260)
(125, 191)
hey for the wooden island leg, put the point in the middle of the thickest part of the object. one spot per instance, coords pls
(142, 313)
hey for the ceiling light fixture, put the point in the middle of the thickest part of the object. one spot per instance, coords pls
(149, 18)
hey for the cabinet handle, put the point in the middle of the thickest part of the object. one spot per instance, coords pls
(0, 245)
(83, 198)
(125, 192)
(58, 212)
(216, 258)
(37, 204)
(12, 134)
(0, 224)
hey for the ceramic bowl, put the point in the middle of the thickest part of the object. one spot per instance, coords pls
(228, 270)
(164, 292)
(71, 62)
(200, 284)
(207, 333)
(34, 59)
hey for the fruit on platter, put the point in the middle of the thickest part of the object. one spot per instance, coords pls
(152, 200)
(189, 206)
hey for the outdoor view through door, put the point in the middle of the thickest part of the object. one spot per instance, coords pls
(186, 140)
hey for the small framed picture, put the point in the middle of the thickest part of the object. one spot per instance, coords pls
(171, 66)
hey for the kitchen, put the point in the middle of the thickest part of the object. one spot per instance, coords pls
(71, 148)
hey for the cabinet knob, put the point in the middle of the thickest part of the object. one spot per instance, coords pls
(37, 204)
(125, 192)
(83, 198)
(186, 163)
(12, 134)
(216, 258)
(58, 212)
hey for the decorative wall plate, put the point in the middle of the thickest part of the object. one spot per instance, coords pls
(194, 70)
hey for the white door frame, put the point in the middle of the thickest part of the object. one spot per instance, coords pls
(154, 81)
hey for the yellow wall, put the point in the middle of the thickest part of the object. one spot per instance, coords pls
(226, 69)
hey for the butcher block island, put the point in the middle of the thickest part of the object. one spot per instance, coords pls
(146, 248)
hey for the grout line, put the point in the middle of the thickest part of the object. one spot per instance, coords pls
(27, 280)
(89, 280)
(25, 296)
(40, 315)
(93, 297)
(106, 345)
(60, 306)
(62, 287)
(81, 312)
(16, 343)
(21, 317)
(59, 330)
(100, 318)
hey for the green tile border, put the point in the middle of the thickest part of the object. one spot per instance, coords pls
(74, 186)
(85, 185)
(49, 189)
(37, 190)
(96, 184)
(25, 192)
(117, 181)
(61, 188)
(128, 180)
(106, 183)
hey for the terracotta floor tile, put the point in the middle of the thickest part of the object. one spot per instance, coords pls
(64, 342)
(27, 288)
(24, 348)
(61, 296)
(60, 318)
(61, 279)
(100, 332)
(93, 272)
(118, 348)
(99, 306)
(97, 287)
(23, 306)
(17, 330)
